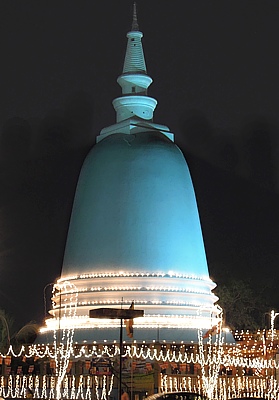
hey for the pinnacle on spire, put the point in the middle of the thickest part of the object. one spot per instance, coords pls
(135, 25)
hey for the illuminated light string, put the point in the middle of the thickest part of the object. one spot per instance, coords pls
(10, 386)
(63, 345)
(24, 385)
(104, 395)
(73, 390)
(106, 389)
(96, 387)
(142, 302)
(111, 385)
(44, 388)
(152, 320)
(144, 352)
(80, 388)
(141, 288)
(65, 388)
(166, 289)
(129, 274)
(273, 387)
(31, 382)
(210, 365)
(52, 388)
(83, 321)
(227, 387)
(88, 390)
(17, 386)
(235, 360)
(173, 383)
(2, 386)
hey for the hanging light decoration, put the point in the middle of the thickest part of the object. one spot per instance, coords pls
(210, 355)
(63, 340)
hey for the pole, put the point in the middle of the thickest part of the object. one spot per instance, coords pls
(58, 366)
(132, 376)
(121, 314)
(120, 356)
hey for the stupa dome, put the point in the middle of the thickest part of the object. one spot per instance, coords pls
(135, 210)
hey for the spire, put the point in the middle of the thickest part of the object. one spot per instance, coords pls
(134, 108)
(135, 25)
(134, 59)
(134, 80)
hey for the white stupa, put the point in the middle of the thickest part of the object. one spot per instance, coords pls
(135, 233)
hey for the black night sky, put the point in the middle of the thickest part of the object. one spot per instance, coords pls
(215, 69)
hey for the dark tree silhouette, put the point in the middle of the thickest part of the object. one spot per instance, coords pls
(243, 306)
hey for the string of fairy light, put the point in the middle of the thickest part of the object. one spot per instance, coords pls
(101, 277)
(144, 352)
(99, 289)
(133, 274)
(210, 356)
(100, 388)
(232, 387)
(63, 342)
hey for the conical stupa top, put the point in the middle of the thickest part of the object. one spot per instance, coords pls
(134, 80)
(134, 59)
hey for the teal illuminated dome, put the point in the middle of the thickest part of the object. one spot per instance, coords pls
(135, 232)
(135, 210)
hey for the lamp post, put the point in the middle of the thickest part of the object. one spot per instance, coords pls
(117, 313)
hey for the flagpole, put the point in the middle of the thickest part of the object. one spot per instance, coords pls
(120, 361)
(132, 371)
